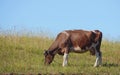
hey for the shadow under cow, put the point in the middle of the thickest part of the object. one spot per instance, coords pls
(110, 65)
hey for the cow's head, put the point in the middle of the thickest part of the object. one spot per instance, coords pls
(48, 57)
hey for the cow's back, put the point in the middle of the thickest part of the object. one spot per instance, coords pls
(80, 38)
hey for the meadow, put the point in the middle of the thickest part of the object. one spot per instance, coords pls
(24, 55)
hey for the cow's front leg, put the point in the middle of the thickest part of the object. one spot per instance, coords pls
(65, 59)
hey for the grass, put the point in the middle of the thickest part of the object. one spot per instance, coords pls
(24, 55)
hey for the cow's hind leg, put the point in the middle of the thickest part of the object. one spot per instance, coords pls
(98, 58)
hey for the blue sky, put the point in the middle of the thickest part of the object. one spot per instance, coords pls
(55, 16)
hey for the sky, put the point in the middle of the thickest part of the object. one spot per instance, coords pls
(54, 16)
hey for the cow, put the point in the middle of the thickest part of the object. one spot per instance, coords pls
(78, 41)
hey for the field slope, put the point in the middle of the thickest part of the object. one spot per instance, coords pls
(24, 55)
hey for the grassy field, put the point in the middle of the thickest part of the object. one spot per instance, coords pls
(24, 55)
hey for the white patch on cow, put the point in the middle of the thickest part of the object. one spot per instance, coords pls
(93, 31)
(77, 48)
(72, 30)
(65, 59)
(65, 33)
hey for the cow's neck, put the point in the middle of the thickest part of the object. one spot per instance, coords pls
(53, 50)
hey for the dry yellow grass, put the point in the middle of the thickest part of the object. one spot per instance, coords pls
(24, 54)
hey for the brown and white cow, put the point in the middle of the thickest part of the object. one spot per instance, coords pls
(78, 41)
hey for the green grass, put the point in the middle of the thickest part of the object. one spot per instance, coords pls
(24, 54)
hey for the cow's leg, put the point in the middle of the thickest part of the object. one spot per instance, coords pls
(65, 59)
(98, 58)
